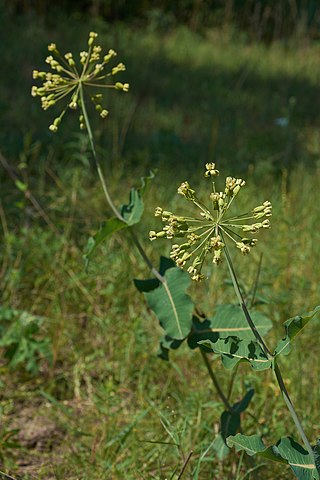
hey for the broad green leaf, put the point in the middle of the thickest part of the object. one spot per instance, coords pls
(316, 450)
(172, 305)
(107, 228)
(220, 447)
(166, 344)
(165, 264)
(227, 321)
(201, 330)
(148, 285)
(233, 350)
(132, 212)
(299, 460)
(230, 423)
(243, 404)
(253, 445)
(285, 451)
(293, 327)
(230, 419)
(230, 320)
(152, 283)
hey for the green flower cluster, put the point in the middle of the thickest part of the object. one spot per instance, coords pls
(207, 234)
(67, 78)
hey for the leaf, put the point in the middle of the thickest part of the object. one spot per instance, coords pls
(220, 447)
(166, 344)
(171, 304)
(253, 445)
(229, 320)
(316, 450)
(285, 451)
(243, 404)
(152, 283)
(299, 460)
(132, 212)
(233, 350)
(201, 330)
(293, 327)
(230, 423)
(230, 420)
(107, 228)
(145, 181)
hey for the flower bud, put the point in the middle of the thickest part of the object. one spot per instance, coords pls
(104, 113)
(236, 189)
(92, 37)
(152, 235)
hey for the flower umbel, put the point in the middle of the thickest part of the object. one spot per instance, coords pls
(68, 77)
(206, 235)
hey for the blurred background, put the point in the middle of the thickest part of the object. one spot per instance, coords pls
(233, 82)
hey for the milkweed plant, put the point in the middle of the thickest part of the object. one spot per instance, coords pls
(214, 234)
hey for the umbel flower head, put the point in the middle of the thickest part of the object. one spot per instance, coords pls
(206, 235)
(68, 77)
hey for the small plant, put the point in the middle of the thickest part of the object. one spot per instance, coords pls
(232, 332)
(20, 340)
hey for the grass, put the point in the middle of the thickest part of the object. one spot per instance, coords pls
(116, 410)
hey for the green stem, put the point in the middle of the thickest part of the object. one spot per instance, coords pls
(97, 162)
(233, 377)
(243, 304)
(256, 282)
(215, 381)
(266, 350)
(291, 408)
(145, 257)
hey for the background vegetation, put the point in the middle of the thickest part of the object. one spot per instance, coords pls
(83, 394)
